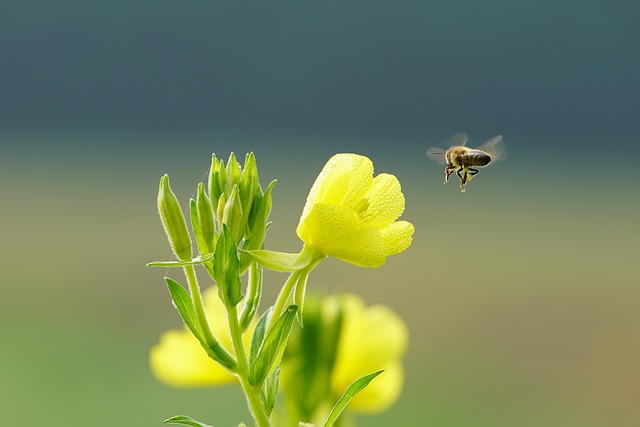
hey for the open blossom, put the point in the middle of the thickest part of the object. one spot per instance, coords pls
(343, 339)
(371, 338)
(352, 215)
(180, 361)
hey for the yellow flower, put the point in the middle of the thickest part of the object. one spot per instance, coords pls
(180, 361)
(351, 215)
(371, 338)
(342, 340)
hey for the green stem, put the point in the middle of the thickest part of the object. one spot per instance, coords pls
(198, 305)
(278, 307)
(251, 391)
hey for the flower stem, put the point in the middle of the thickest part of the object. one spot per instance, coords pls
(194, 289)
(251, 391)
(278, 307)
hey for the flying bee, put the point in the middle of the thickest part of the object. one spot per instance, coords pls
(464, 160)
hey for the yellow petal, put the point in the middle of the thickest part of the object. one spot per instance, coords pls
(180, 361)
(342, 182)
(386, 201)
(339, 232)
(372, 338)
(381, 393)
(397, 237)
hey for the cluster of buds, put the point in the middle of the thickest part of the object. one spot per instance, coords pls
(234, 199)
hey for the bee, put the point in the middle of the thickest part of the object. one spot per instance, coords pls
(464, 160)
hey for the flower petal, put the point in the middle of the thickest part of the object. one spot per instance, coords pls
(339, 232)
(397, 237)
(372, 338)
(386, 201)
(342, 182)
(180, 361)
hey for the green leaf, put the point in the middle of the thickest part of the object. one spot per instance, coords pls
(184, 304)
(195, 261)
(270, 391)
(226, 269)
(353, 389)
(185, 421)
(258, 334)
(272, 348)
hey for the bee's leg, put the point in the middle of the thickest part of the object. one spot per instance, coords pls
(473, 171)
(463, 178)
(447, 173)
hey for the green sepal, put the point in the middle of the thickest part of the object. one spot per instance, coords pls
(195, 261)
(225, 268)
(352, 390)
(183, 302)
(185, 421)
(270, 391)
(258, 334)
(277, 261)
(300, 291)
(254, 293)
(272, 348)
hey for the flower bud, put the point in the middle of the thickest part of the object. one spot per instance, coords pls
(217, 180)
(205, 218)
(173, 221)
(232, 216)
(234, 174)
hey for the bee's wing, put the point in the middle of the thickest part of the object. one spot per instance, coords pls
(458, 139)
(495, 148)
(437, 154)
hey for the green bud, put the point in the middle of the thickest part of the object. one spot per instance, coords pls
(195, 226)
(214, 182)
(173, 221)
(205, 219)
(222, 200)
(234, 174)
(257, 224)
(248, 188)
(232, 216)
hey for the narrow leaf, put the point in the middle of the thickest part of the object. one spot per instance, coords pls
(273, 347)
(270, 391)
(182, 301)
(184, 304)
(185, 421)
(258, 334)
(353, 389)
(195, 261)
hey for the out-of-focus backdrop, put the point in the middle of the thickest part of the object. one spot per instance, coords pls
(521, 295)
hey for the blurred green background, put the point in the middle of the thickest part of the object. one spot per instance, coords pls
(521, 295)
